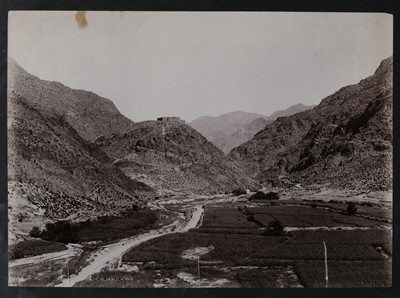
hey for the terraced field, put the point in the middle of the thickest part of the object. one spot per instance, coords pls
(230, 249)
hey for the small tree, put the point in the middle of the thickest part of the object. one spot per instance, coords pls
(272, 196)
(274, 228)
(35, 232)
(259, 195)
(61, 231)
(239, 191)
(351, 208)
(251, 217)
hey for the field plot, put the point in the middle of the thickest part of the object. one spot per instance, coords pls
(346, 274)
(240, 255)
(43, 263)
(40, 274)
(226, 218)
(230, 248)
(365, 209)
(226, 248)
(32, 248)
(305, 216)
(111, 227)
(376, 212)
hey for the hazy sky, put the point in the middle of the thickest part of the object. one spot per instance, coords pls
(191, 64)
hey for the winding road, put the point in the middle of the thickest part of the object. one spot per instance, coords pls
(110, 255)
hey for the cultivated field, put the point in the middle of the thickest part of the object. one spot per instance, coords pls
(231, 248)
(37, 262)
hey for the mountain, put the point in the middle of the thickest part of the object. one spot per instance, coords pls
(171, 156)
(242, 135)
(90, 115)
(289, 111)
(345, 141)
(73, 156)
(53, 172)
(228, 131)
(219, 129)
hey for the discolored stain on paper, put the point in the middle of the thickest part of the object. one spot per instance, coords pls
(80, 17)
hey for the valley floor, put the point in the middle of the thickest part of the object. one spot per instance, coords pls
(220, 241)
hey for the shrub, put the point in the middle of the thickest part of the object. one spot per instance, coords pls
(239, 191)
(35, 232)
(351, 208)
(272, 196)
(250, 217)
(274, 228)
(61, 231)
(150, 218)
(259, 195)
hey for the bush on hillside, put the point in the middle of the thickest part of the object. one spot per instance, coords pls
(274, 228)
(35, 232)
(259, 195)
(351, 208)
(239, 191)
(61, 231)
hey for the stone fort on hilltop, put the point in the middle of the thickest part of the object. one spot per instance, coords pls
(169, 119)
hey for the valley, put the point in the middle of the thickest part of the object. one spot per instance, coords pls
(97, 200)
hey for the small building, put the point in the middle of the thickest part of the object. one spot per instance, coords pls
(168, 119)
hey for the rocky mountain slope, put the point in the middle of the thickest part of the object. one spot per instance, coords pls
(345, 141)
(218, 129)
(230, 130)
(90, 115)
(57, 172)
(171, 156)
(289, 111)
(53, 172)
(242, 135)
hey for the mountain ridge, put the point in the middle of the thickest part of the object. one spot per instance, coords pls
(312, 145)
(229, 130)
(172, 156)
(54, 172)
(76, 106)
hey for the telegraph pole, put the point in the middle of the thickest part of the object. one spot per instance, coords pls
(68, 273)
(326, 265)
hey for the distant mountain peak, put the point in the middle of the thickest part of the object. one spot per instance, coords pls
(294, 109)
(229, 130)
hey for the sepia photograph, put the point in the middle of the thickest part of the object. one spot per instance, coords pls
(151, 149)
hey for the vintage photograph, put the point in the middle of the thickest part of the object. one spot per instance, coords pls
(200, 149)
